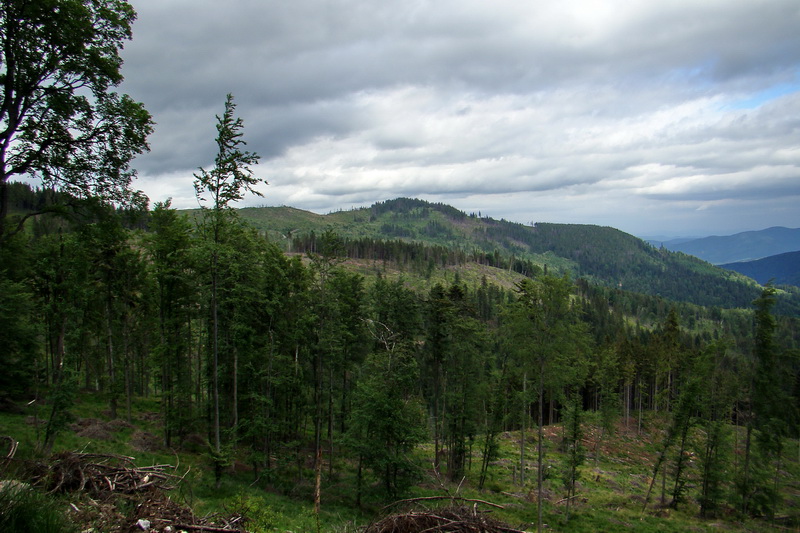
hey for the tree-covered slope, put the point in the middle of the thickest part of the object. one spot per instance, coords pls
(397, 359)
(782, 269)
(603, 255)
(745, 246)
(423, 236)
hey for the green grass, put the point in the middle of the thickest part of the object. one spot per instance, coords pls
(23, 510)
(610, 495)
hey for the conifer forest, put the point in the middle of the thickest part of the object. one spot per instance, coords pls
(303, 372)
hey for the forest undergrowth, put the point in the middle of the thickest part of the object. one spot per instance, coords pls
(610, 493)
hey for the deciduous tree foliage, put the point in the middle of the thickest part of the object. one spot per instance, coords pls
(60, 120)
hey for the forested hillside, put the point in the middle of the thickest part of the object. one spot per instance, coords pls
(745, 246)
(273, 370)
(781, 269)
(422, 234)
(368, 362)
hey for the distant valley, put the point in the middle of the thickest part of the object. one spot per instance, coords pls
(745, 246)
(772, 254)
(781, 269)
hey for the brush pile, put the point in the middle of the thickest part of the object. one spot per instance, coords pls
(453, 518)
(100, 475)
(109, 493)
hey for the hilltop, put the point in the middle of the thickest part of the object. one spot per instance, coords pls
(602, 255)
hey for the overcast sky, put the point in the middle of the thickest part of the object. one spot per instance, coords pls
(671, 117)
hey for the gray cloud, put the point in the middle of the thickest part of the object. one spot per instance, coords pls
(648, 116)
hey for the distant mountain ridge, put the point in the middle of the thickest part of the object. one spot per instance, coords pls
(601, 255)
(781, 269)
(745, 246)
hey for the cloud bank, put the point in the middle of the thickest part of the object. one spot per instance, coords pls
(673, 118)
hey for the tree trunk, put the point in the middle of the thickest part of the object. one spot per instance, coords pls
(655, 394)
(318, 436)
(235, 398)
(58, 374)
(628, 403)
(540, 452)
(110, 361)
(679, 468)
(436, 416)
(128, 371)
(522, 430)
(746, 473)
(330, 420)
(639, 393)
(358, 481)
(3, 203)
(343, 404)
(215, 349)
(318, 484)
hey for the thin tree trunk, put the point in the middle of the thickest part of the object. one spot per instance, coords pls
(486, 457)
(627, 404)
(318, 485)
(669, 390)
(436, 417)
(110, 361)
(343, 405)
(235, 392)
(166, 379)
(656, 469)
(58, 376)
(128, 392)
(679, 467)
(746, 481)
(655, 394)
(639, 392)
(215, 348)
(540, 452)
(128, 371)
(522, 431)
(330, 421)
(215, 368)
(267, 402)
(318, 437)
(706, 488)
(358, 480)
(736, 444)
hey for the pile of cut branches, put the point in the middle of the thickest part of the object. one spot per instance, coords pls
(100, 475)
(115, 495)
(452, 518)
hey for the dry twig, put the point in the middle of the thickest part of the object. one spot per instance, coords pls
(453, 498)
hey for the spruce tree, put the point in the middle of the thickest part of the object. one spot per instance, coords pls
(227, 182)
